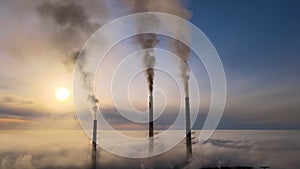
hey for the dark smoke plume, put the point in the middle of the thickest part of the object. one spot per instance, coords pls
(94, 104)
(147, 40)
(175, 7)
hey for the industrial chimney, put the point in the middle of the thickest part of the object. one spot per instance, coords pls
(94, 143)
(188, 128)
(151, 139)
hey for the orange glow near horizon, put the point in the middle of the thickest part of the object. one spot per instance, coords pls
(9, 120)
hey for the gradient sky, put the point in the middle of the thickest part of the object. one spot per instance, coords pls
(257, 41)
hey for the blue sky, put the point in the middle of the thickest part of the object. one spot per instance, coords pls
(252, 36)
(258, 43)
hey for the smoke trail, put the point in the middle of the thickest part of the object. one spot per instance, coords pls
(94, 104)
(147, 40)
(74, 23)
(183, 52)
(175, 7)
(86, 80)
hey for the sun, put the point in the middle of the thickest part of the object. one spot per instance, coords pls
(62, 93)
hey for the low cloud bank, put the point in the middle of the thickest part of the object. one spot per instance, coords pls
(71, 149)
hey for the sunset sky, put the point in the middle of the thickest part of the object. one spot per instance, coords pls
(257, 41)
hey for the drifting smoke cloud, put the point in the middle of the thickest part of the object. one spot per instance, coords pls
(71, 16)
(74, 25)
(74, 22)
(71, 23)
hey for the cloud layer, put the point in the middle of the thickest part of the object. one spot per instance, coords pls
(71, 149)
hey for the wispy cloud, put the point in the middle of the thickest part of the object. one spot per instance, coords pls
(9, 99)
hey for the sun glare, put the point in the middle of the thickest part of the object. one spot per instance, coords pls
(62, 94)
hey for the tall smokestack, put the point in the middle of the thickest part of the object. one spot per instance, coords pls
(94, 145)
(183, 51)
(151, 139)
(94, 139)
(188, 129)
(147, 41)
